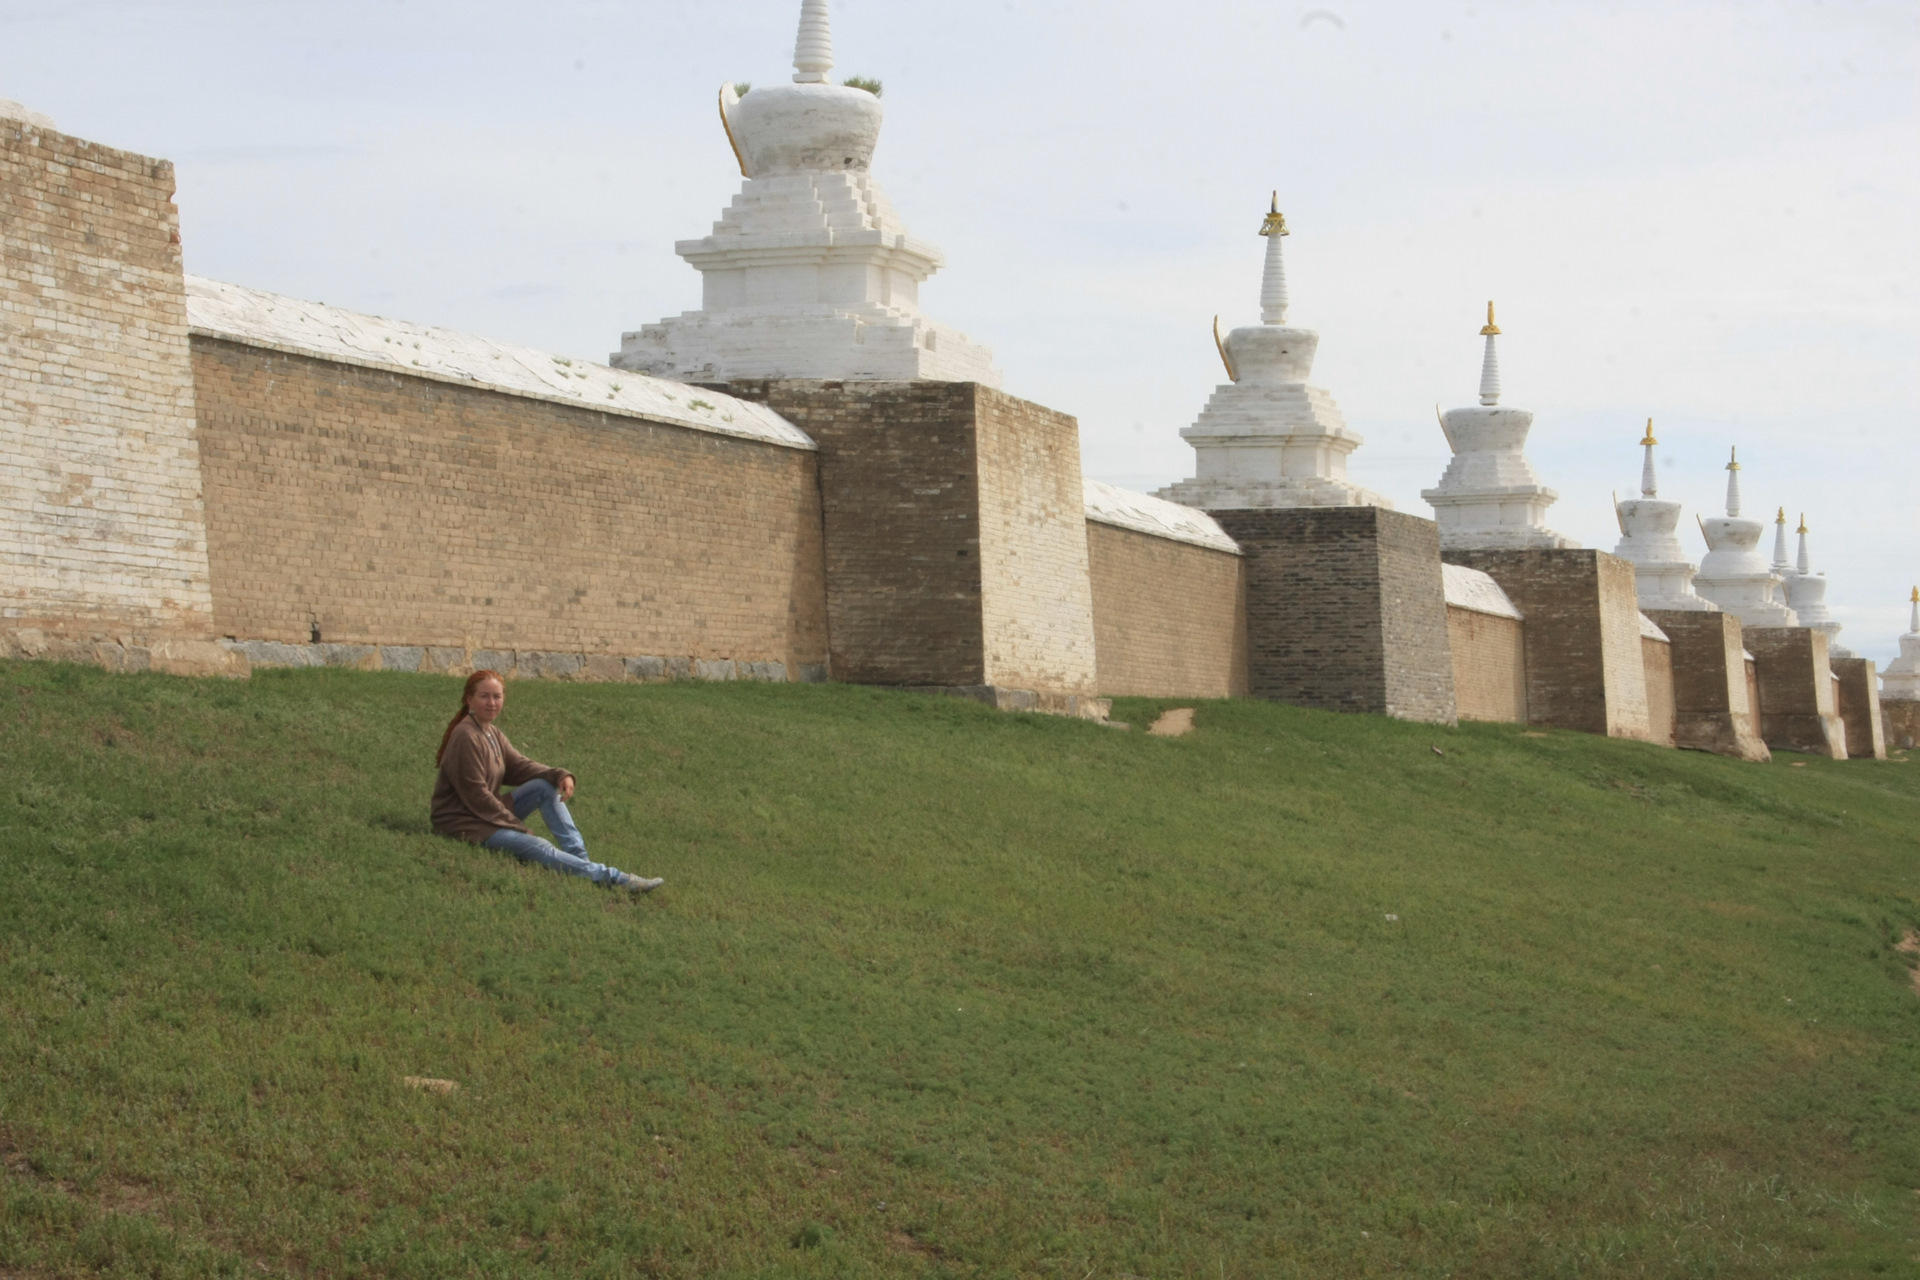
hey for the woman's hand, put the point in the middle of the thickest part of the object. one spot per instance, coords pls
(566, 788)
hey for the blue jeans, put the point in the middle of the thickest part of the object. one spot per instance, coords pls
(570, 856)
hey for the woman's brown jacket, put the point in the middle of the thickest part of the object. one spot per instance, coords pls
(478, 762)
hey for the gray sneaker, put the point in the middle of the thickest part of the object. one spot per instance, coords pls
(638, 884)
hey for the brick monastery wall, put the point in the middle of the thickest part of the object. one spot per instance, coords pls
(1857, 697)
(1714, 697)
(386, 509)
(1656, 657)
(955, 533)
(1169, 618)
(899, 504)
(102, 527)
(1489, 665)
(374, 508)
(1585, 669)
(1346, 610)
(1795, 675)
(1901, 720)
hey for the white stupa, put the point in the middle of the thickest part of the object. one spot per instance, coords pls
(1266, 438)
(1807, 593)
(1489, 498)
(1733, 574)
(1662, 574)
(1901, 679)
(809, 273)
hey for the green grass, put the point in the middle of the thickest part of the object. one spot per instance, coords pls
(935, 991)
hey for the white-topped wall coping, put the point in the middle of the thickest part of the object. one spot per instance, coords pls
(255, 318)
(1475, 591)
(23, 114)
(1650, 630)
(1144, 513)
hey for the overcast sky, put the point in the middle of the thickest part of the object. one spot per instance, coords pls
(1704, 213)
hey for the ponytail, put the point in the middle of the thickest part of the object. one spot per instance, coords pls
(473, 682)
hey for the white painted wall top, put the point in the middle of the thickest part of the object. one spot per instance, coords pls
(1144, 513)
(1471, 589)
(1650, 630)
(278, 323)
(11, 110)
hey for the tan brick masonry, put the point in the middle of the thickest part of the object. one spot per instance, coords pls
(1169, 618)
(102, 529)
(362, 507)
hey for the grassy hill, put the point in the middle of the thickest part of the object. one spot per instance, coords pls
(934, 991)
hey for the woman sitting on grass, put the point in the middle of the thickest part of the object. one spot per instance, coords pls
(475, 759)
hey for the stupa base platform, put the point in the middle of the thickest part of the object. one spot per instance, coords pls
(1534, 539)
(1271, 495)
(852, 345)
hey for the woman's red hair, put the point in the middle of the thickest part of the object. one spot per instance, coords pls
(473, 682)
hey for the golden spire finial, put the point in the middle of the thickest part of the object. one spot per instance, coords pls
(1491, 328)
(1733, 458)
(1916, 595)
(1803, 523)
(1276, 221)
(1649, 439)
(1782, 517)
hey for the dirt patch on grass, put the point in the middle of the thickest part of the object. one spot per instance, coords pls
(1910, 946)
(108, 1194)
(1177, 723)
(12, 1158)
(907, 1242)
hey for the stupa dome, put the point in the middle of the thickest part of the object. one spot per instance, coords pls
(802, 128)
(1271, 355)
